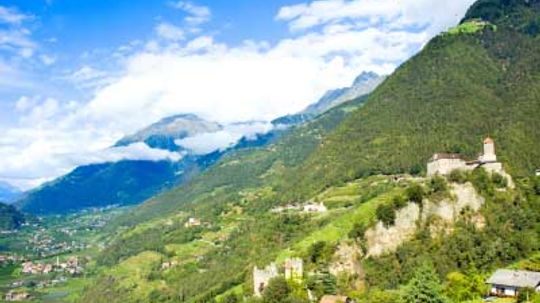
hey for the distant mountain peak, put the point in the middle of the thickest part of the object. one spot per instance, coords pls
(363, 84)
(8, 193)
(163, 133)
(364, 77)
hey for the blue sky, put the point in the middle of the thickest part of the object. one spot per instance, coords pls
(75, 76)
(74, 32)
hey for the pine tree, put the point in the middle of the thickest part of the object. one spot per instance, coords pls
(277, 291)
(424, 287)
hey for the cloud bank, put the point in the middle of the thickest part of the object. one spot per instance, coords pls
(225, 138)
(184, 69)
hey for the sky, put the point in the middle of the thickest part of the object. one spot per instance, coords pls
(76, 76)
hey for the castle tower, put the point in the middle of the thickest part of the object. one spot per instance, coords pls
(294, 269)
(489, 151)
(261, 278)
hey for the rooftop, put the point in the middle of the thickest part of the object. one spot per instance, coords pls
(439, 156)
(517, 278)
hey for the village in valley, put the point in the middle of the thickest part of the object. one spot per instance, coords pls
(48, 254)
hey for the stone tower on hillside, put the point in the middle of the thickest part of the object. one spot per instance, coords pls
(489, 151)
(294, 269)
(261, 277)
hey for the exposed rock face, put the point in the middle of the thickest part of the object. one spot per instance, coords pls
(346, 259)
(381, 239)
(464, 195)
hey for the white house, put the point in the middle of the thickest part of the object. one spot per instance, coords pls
(314, 208)
(192, 222)
(507, 283)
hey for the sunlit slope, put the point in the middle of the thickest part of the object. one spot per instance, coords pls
(459, 89)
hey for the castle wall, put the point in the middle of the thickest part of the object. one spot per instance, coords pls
(445, 166)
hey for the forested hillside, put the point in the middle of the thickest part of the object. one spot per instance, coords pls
(480, 78)
(459, 89)
(100, 185)
(249, 168)
(10, 217)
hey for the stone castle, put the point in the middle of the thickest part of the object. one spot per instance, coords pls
(294, 270)
(444, 164)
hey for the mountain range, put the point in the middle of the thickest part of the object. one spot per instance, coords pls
(132, 182)
(480, 78)
(362, 85)
(8, 193)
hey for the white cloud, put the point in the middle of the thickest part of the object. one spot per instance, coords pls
(43, 160)
(169, 31)
(42, 112)
(14, 37)
(16, 40)
(333, 42)
(208, 142)
(13, 78)
(17, 51)
(47, 60)
(89, 77)
(435, 15)
(12, 16)
(135, 151)
(197, 14)
(24, 103)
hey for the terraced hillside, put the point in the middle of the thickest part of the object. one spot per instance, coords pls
(478, 79)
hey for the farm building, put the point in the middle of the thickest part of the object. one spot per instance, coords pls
(507, 283)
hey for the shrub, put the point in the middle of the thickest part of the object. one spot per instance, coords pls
(383, 296)
(464, 287)
(424, 287)
(499, 180)
(415, 193)
(320, 252)
(398, 202)
(277, 291)
(358, 231)
(322, 283)
(386, 214)
(537, 185)
(231, 298)
(416, 169)
(526, 294)
(438, 184)
(482, 181)
(458, 176)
